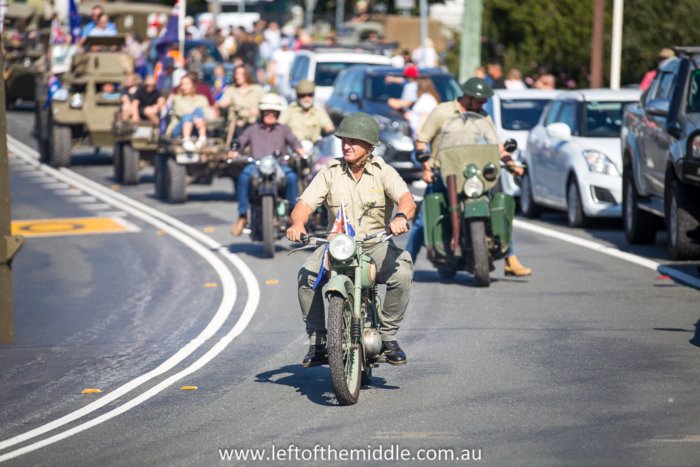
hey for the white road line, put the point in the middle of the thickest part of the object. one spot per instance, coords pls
(169, 225)
(610, 251)
(96, 207)
(81, 199)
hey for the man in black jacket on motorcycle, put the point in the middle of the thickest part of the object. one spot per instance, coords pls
(476, 92)
(367, 188)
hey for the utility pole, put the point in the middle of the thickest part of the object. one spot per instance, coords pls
(339, 15)
(423, 24)
(597, 44)
(616, 49)
(9, 245)
(470, 46)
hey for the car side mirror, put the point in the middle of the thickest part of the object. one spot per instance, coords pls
(559, 131)
(658, 107)
(510, 145)
(355, 99)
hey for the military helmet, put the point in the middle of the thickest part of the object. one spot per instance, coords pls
(305, 87)
(477, 87)
(359, 125)
(271, 101)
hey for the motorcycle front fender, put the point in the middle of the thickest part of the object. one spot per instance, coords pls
(477, 207)
(340, 284)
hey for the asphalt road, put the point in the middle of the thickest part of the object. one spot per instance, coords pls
(591, 361)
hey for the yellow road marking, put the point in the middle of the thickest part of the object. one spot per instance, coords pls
(209, 229)
(115, 187)
(188, 388)
(211, 285)
(272, 282)
(71, 226)
(91, 391)
(160, 232)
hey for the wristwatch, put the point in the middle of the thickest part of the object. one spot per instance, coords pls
(401, 214)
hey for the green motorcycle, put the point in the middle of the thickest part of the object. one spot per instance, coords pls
(469, 226)
(354, 312)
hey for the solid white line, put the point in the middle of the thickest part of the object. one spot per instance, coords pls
(228, 300)
(610, 251)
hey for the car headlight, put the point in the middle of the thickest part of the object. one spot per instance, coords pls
(267, 165)
(473, 187)
(76, 101)
(600, 163)
(342, 247)
(695, 147)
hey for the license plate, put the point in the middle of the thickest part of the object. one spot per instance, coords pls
(187, 158)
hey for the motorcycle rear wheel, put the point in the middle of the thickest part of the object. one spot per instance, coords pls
(482, 269)
(268, 226)
(343, 359)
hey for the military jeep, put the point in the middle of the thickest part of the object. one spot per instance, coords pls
(81, 110)
(135, 145)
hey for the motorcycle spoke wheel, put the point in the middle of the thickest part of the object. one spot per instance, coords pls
(343, 358)
(482, 265)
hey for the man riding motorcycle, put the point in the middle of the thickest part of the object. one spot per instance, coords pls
(264, 138)
(307, 120)
(366, 189)
(476, 92)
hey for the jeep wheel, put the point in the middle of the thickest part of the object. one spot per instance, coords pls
(159, 163)
(527, 202)
(175, 189)
(681, 223)
(61, 145)
(130, 165)
(118, 161)
(42, 125)
(640, 226)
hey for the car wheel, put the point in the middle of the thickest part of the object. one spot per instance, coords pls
(640, 226)
(575, 216)
(682, 223)
(527, 203)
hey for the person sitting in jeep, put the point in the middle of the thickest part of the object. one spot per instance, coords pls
(147, 102)
(189, 110)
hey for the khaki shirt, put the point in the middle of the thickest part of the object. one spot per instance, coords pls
(183, 105)
(368, 202)
(439, 117)
(241, 100)
(306, 124)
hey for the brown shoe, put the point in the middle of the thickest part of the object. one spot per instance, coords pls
(514, 268)
(237, 228)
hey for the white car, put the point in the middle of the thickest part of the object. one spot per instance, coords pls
(515, 113)
(322, 67)
(573, 156)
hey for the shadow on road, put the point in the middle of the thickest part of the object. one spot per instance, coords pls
(314, 383)
(696, 333)
(462, 278)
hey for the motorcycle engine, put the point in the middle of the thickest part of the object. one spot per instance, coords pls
(372, 342)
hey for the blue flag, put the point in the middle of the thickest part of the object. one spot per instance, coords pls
(73, 22)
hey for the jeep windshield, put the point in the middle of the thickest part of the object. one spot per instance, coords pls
(521, 114)
(603, 119)
(378, 89)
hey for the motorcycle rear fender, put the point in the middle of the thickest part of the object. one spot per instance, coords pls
(477, 207)
(340, 284)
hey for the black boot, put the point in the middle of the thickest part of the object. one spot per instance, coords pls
(316, 356)
(393, 353)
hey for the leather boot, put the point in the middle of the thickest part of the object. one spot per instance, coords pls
(393, 353)
(316, 356)
(237, 228)
(514, 268)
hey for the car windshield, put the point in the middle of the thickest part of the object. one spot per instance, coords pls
(694, 93)
(521, 114)
(603, 119)
(378, 89)
(326, 72)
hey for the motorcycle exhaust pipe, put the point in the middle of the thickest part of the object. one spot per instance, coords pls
(454, 213)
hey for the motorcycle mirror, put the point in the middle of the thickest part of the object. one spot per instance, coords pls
(510, 145)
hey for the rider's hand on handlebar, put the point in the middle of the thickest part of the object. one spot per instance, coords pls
(398, 225)
(516, 169)
(428, 175)
(294, 232)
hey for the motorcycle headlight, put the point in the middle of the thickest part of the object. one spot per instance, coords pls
(76, 101)
(600, 163)
(342, 247)
(473, 187)
(471, 170)
(490, 172)
(267, 165)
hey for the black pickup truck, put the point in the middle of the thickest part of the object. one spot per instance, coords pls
(661, 157)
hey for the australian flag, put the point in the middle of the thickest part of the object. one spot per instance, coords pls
(342, 225)
(73, 22)
(54, 87)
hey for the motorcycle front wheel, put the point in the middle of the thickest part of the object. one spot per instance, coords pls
(343, 358)
(482, 266)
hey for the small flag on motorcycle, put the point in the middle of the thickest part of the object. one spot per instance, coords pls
(342, 225)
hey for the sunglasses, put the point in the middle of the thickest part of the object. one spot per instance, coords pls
(301, 96)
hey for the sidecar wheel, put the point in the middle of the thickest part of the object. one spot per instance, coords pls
(343, 359)
(482, 269)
